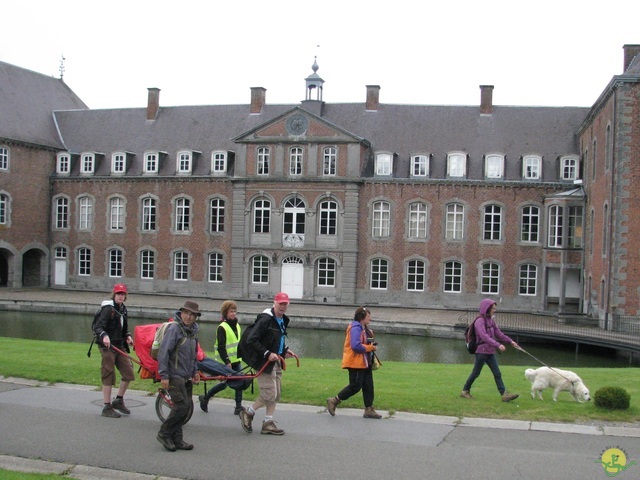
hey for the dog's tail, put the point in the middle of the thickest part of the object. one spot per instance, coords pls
(530, 373)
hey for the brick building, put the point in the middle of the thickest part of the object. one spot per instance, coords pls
(353, 203)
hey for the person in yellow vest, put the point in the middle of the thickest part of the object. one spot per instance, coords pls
(226, 352)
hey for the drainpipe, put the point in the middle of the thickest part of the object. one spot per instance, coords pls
(607, 287)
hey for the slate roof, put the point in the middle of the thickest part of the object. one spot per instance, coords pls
(27, 102)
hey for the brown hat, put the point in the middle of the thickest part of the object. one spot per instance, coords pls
(192, 307)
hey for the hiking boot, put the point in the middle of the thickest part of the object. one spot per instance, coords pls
(245, 420)
(182, 445)
(466, 394)
(269, 427)
(332, 403)
(118, 404)
(108, 411)
(238, 409)
(507, 397)
(369, 412)
(166, 443)
(204, 403)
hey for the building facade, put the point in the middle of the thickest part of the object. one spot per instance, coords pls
(356, 203)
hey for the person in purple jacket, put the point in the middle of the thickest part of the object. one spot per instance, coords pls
(489, 336)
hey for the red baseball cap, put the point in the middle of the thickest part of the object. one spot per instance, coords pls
(119, 288)
(281, 298)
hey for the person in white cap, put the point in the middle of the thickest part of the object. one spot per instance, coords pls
(266, 343)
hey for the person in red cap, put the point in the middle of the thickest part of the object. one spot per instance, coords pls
(111, 328)
(266, 343)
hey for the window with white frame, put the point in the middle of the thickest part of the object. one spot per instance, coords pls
(4, 209)
(454, 229)
(87, 163)
(261, 216)
(215, 268)
(4, 158)
(115, 262)
(61, 213)
(85, 213)
(326, 272)
(218, 163)
(569, 168)
(328, 218)
(181, 266)
(182, 214)
(147, 264)
(528, 279)
(415, 275)
(384, 164)
(264, 155)
(184, 162)
(381, 219)
(490, 278)
(420, 166)
(118, 163)
(149, 214)
(452, 277)
(417, 220)
(379, 274)
(530, 224)
(494, 166)
(216, 215)
(61, 252)
(63, 164)
(329, 160)
(260, 270)
(116, 214)
(532, 167)
(556, 212)
(492, 222)
(84, 262)
(151, 162)
(456, 165)
(293, 218)
(295, 161)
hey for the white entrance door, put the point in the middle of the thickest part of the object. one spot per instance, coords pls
(292, 277)
(60, 273)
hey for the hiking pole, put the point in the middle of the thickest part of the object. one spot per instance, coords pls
(542, 363)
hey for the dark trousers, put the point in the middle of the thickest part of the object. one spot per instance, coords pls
(181, 391)
(359, 379)
(492, 363)
(211, 367)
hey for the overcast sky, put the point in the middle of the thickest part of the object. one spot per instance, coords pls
(543, 52)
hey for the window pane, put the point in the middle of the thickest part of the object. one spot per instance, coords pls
(260, 272)
(453, 277)
(490, 278)
(379, 274)
(215, 267)
(381, 219)
(181, 266)
(415, 276)
(530, 224)
(328, 218)
(147, 264)
(455, 222)
(326, 272)
(217, 216)
(492, 222)
(528, 275)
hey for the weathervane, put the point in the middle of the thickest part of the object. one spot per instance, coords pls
(61, 68)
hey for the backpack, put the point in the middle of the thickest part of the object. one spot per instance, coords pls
(157, 339)
(244, 350)
(470, 338)
(105, 304)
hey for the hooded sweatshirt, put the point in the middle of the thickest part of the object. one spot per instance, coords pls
(488, 335)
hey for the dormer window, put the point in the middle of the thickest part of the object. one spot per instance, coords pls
(151, 162)
(494, 166)
(118, 163)
(63, 164)
(184, 162)
(420, 166)
(219, 163)
(569, 168)
(384, 164)
(87, 163)
(531, 167)
(456, 165)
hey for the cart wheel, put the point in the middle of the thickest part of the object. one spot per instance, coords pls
(163, 408)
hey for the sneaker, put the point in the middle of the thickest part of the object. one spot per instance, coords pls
(466, 394)
(332, 403)
(166, 443)
(108, 411)
(118, 404)
(369, 412)
(269, 427)
(182, 445)
(507, 397)
(238, 409)
(245, 420)
(204, 403)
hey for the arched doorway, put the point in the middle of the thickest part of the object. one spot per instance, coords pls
(33, 268)
(5, 255)
(292, 277)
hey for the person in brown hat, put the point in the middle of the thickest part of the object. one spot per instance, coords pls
(177, 370)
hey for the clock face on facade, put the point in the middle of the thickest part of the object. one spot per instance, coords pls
(297, 124)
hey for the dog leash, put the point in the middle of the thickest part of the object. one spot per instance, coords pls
(543, 364)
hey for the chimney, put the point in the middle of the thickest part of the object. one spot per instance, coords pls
(258, 99)
(153, 103)
(486, 99)
(373, 98)
(630, 51)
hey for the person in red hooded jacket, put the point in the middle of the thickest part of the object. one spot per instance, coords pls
(489, 338)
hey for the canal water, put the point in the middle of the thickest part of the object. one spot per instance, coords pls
(328, 343)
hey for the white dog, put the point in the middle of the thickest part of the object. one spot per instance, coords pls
(559, 380)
